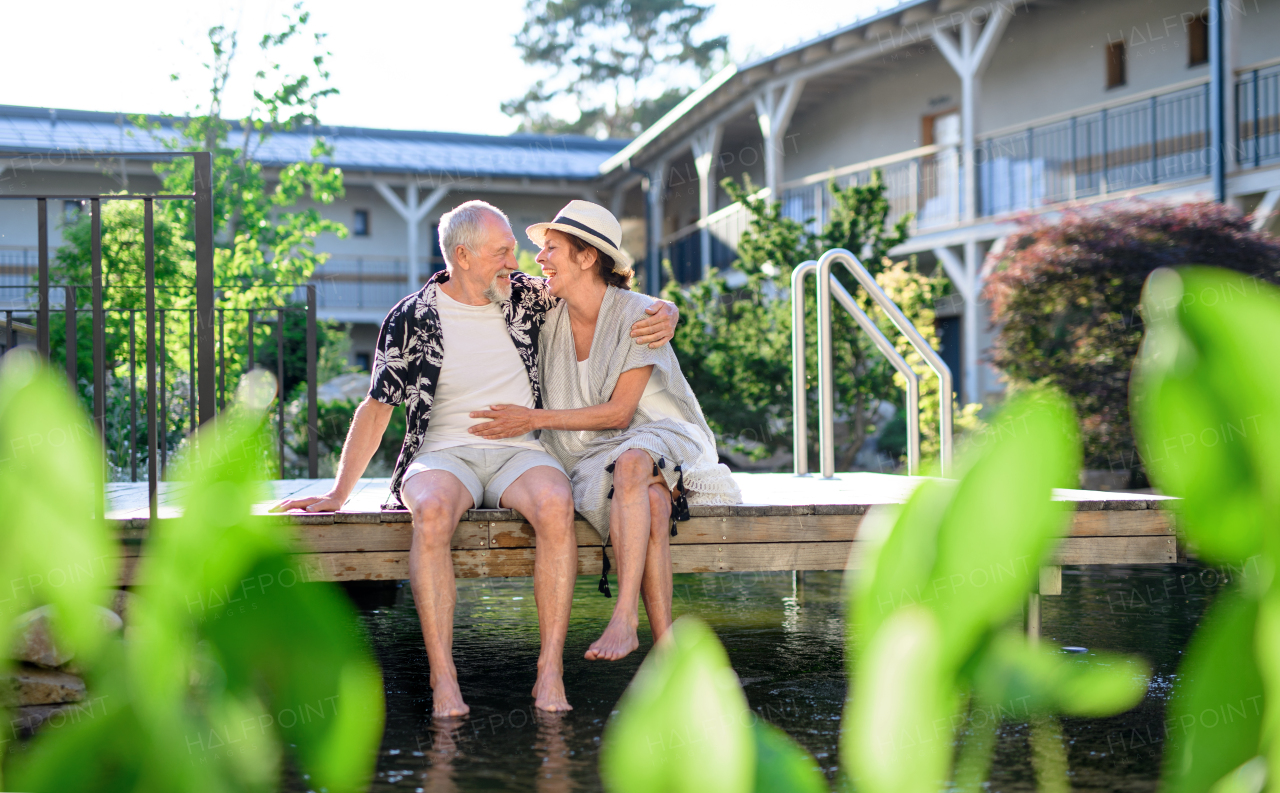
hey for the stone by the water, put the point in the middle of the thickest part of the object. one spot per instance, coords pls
(31, 685)
(33, 637)
(26, 720)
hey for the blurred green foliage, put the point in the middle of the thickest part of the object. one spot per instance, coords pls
(933, 661)
(929, 642)
(233, 652)
(1206, 406)
(683, 726)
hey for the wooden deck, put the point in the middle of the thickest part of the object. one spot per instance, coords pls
(789, 523)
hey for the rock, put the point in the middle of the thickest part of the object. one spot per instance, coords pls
(33, 639)
(26, 720)
(31, 685)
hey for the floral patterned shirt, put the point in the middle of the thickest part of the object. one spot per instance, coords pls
(406, 365)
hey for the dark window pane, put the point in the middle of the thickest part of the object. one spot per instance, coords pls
(1116, 64)
(1198, 40)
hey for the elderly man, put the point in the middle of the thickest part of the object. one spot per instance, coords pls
(467, 340)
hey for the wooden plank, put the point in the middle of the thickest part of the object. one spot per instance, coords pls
(764, 556)
(1050, 580)
(1121, 523)
(518, 562)
(370, 537)
(1117, 550)
(699, 531)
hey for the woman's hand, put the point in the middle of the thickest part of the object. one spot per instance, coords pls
(508, 422)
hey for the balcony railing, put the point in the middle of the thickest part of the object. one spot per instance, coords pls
(1161, 138)
(364, 283)
(1258, 116)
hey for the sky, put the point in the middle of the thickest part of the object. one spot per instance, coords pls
(426, 65)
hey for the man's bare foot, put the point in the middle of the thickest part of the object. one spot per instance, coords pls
(548, 691)
(617, 641)
(447, 700)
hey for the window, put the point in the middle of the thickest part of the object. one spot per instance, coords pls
(360, 227)
(1198, 40)
(362, 361)
(71, 210)
(1116, 65)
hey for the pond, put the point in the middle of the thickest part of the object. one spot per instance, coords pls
(786, 644)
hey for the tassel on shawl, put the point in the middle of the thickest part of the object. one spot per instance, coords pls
(604, 572)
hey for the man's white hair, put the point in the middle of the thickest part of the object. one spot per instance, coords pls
(464, 225)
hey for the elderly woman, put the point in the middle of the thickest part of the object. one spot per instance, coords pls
(619, 416)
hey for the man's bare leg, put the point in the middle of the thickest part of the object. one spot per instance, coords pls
(543, 496)
(437, 501)
(629, 529)
(655, 587)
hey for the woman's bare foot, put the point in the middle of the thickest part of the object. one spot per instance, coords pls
(617, 641)
(447, 700)
(548, 691)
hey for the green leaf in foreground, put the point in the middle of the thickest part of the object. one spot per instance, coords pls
(782, 766)
(233, 652)
(54, 544)
(1215, 718)
(683, 724)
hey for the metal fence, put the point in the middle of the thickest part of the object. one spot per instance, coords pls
(196, 313)
(1258, 116)
(375, 283)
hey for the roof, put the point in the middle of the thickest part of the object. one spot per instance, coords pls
(722, 83)
(572, 157)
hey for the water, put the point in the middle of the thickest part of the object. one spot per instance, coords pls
(787, 648)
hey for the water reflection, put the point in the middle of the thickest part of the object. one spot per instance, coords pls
(553, 752)
(439, 774)
(785, 639)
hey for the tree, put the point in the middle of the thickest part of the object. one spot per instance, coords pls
(734, 344)
(264, 241)
(624, 63)
(1066, 295)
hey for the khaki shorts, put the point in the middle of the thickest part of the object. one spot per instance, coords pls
(486, 472)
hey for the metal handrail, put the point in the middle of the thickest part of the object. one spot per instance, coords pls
(886, 348)
(826, 380)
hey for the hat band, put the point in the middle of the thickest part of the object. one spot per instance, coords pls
(584, 227)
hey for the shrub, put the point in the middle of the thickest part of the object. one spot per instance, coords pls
(1065, 296)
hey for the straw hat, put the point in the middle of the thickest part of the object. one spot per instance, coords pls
(591, 223)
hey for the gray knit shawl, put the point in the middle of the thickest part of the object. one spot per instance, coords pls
(586, 455)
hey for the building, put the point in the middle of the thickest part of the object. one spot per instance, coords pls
(974, 113)
(398, 184)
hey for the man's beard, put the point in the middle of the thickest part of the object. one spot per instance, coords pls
(498, 293)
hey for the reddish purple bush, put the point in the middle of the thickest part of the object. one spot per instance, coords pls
(1065, 297)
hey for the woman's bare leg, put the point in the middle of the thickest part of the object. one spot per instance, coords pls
(655, 587)
(629, 529)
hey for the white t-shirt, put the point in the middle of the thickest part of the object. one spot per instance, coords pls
(656, 402)
(481, 368)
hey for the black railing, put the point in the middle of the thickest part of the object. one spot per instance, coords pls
(1258, 116)
(199, 311)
